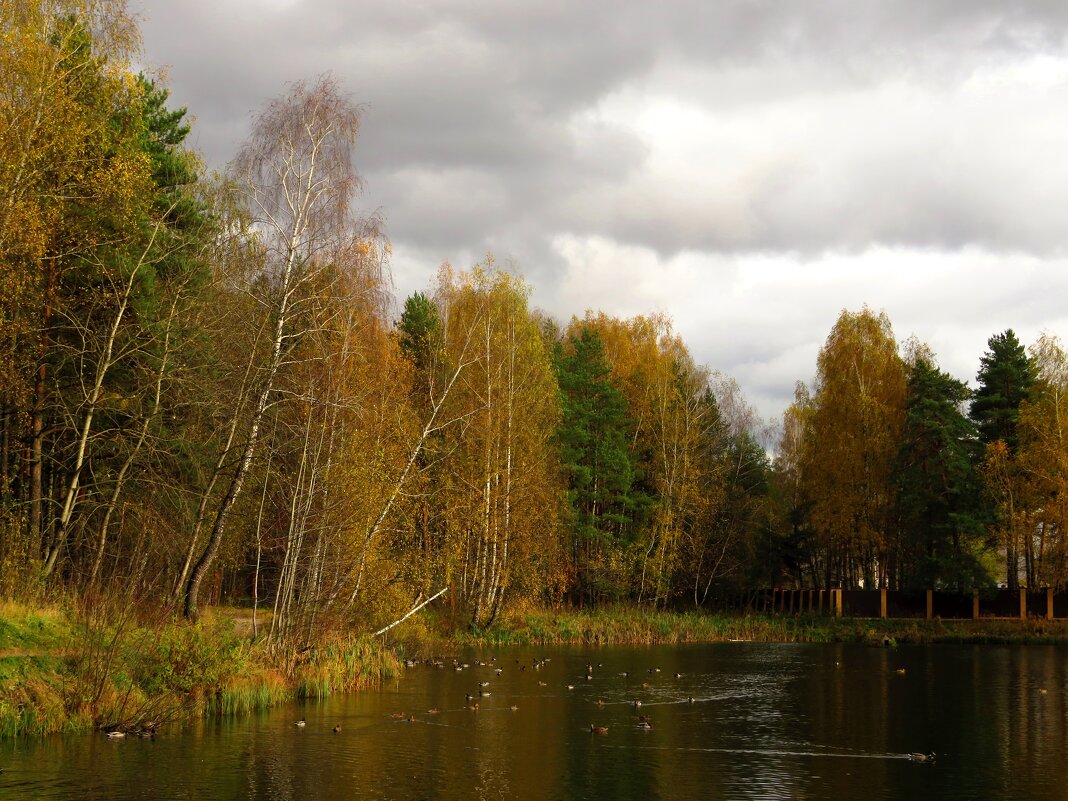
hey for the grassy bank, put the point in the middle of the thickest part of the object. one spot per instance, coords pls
(64, 672)
(626, 625)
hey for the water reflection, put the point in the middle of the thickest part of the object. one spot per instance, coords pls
(765, 721)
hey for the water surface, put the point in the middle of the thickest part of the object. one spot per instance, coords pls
(766, 721)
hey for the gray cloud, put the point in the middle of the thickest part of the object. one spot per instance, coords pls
(652, 155)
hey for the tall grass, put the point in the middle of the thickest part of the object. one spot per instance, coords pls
(630, 625)
(343, 666)
(104, 670)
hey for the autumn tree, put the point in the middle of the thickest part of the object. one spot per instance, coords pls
(1043, 460)
(296, 177)
(853, 437)
(499, 495)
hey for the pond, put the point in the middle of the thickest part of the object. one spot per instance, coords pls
(765, 721)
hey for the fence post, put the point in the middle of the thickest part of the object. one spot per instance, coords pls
(1049, 603)
(882, 603)
(1023, 604)
(821, 602)
(975, 604)
(930, 604)
(838, 602)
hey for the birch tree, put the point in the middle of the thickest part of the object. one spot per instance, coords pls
(297, 179)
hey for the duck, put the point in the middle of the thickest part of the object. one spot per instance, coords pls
(542, 684)
(596, 729)
(900, 671)
(600, 702)
(337, 729)
(514, 708)
(473, 707)
(571, 686)
(1042, 691)
(300, 724)
(432, 711)
(645, 685)
(483, 693)
(678, 675)
(920, 757)
(116, 735)
(637, 704)
(483, 684)
(398, 716)
(691, 700)
(645, 725)
(499, 671)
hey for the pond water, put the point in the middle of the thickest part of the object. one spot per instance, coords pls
(766, 721)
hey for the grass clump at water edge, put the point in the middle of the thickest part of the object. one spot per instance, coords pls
(65, 671)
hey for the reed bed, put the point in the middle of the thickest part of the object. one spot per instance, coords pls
(60, 674)
(634, 626)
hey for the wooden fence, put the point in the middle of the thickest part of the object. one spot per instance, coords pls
(996, 605)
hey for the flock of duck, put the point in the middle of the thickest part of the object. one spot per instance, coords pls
(472, 704)
(643, 721)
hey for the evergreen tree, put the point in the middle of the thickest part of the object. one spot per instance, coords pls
(1005, 377)
(419, 325)
(938, 487)
(595, 457)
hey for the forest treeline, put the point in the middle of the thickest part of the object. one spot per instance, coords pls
(206, 388)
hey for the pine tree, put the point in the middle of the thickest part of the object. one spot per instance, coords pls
(938, 487)
(596, 458)
(1005, 377)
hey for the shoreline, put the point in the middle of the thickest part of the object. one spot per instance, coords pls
(58, 675)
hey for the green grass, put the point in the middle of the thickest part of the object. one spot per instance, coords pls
(30, 629)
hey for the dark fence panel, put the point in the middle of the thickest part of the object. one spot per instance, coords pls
(906, 604)
(1003, 603)
(1036, 603)
(861, 603)
(951, 605)
(1060, 604)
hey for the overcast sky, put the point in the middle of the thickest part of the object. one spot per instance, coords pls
(749, 168)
